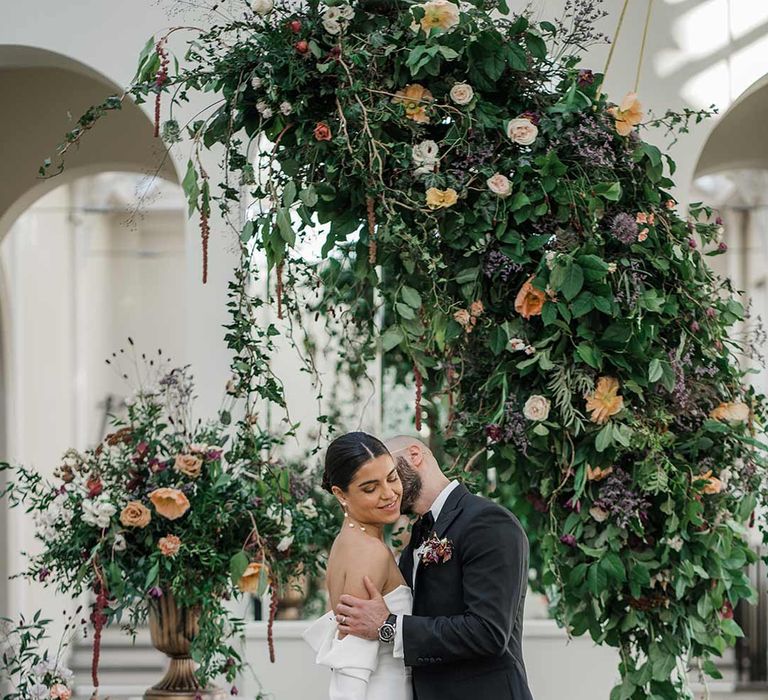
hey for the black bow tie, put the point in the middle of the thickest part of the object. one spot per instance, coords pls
(422, 529)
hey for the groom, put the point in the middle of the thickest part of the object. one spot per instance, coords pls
(463, 639)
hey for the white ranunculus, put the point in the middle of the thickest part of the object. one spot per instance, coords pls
(516, 344)
(425, 156)
(307, 508)
(536, 408)
(98, 511)
(332, 14)
(500, 185)
(462, 93)
(284, 543)
(676, 542)
(255, 82)
(282, 516)
(263, 109)
(286, 108)
(262, 7)
(332, 26)
(551, 258)
(41, 668)
(522, 131)
(119, 545)
(346, 12)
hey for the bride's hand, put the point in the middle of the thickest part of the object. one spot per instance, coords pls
(362, 618)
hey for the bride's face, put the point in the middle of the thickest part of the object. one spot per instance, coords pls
(375, 493)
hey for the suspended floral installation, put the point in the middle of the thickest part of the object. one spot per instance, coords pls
(480, 194)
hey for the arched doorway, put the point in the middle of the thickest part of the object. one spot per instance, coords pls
(44, 93)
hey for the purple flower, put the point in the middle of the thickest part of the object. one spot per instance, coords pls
(618, 498)
(155, 592)
(213, 455)
(495, 262)
(719, 220)
(586, 77)
(722, 246)
(624, 228)
(695, 327)
(515, 426)
(43, 574)
(711, 313)
(234, 690)
(692, 243)
(538, 503)
(569, 540)
(574, 507)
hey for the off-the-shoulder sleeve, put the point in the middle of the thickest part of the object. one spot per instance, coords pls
(352, 660)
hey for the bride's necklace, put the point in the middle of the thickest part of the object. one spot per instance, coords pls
(352, 524)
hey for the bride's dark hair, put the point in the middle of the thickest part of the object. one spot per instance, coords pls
(346, 454)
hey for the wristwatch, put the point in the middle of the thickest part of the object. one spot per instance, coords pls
(387, 630)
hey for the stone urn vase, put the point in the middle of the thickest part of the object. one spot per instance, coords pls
(172, 629)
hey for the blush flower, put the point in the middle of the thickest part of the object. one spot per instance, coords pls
(530, 301)
(462, 93)
(536, 408)
(322, 132)
(189, 465)
(499, 184)
(439, 14)
(522, 131)
(414, 98)
(441, 199)
(605, 401)
(735, 411)
(170, 503)
(169, 545)
(627, 115)
(249, 581)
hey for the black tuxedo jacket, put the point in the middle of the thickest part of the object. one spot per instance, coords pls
(464, 639)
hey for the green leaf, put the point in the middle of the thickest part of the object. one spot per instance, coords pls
(608, 190)
(573, 281)
(391, 338)
(284, 226)
(467, 275)
(405, 311)
(655, 370)
(411, 297)
(498, 340)
(588, 354)
(518, 201)
(604, 438)
(308, 196)
(237, 566)
(289, 193)
(189, 185)
(597, 580)
(613, 566)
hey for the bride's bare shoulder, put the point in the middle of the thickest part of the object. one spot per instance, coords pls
(357, 555)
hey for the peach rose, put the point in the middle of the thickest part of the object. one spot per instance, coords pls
(476, 308)
(735, 411)
(713, 485)
(135, 514)
(522, 131)
(598, 473)
(439, 14)
(605, 401)
(170, 503)
(414, 98)
(463, 318)
(530, 301)
(189, 465)
(169, 545)
(441, 199)
(322, 132)
(249, 581)
(627, 115)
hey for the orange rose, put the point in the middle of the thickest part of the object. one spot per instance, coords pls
(170, 503)
(598, 473)
(169, 545)
(135, 515)
(605, 401)
(414, 98)
(530, 301)
(322, 132)
(249, 581)
(189, 465)
(627, 115)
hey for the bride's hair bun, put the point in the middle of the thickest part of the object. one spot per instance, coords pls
(346, 454)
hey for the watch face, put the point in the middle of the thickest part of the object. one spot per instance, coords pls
(386, 633)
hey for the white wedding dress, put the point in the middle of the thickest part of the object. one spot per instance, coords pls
(361, 669)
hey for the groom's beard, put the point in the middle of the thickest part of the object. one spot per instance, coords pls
(412, 485)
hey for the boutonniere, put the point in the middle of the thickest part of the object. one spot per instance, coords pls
(435, 550)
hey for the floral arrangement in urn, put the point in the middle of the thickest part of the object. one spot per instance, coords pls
(169, 513)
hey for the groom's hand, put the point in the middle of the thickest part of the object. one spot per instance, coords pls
(362, 618)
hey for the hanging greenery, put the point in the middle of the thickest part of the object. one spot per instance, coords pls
(478, 192)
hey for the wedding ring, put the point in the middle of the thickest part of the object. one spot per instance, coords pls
(343, 620)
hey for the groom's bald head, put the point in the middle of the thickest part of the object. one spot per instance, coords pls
(418, 469)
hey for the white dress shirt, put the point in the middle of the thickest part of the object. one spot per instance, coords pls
(437, 506)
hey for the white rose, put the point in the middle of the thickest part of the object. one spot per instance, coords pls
(346, 12)
(255, 82)
(284, 543)
(307, 508)
(262, 7)
(530, 350)
(522, 131)
(462, 93)
(65, 674)
(332, 26)
(676, 543)
(536, 408)
(98, 511)
(286, 108)
(332, 14)
(516, 344)
(119, 545)
(425, 156)
(499, 184)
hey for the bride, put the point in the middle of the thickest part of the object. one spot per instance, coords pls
(361, 474)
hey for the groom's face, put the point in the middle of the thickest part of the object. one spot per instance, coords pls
(411, 482)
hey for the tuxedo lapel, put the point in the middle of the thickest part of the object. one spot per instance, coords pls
(450, 510)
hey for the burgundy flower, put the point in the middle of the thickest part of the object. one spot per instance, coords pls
(719, 220)
(322, 132)
(691, 243)
(141, 449)
(574, 507)
(568, 540)
(43, 574)
(532, 117)
(155, 592)
(695, 327)
(213, 455)
(586, 77)
(538, 503)
(493, 432)
(234, 690)
(726, 612)
(722, 246)
(711, 313)
(95, 487)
